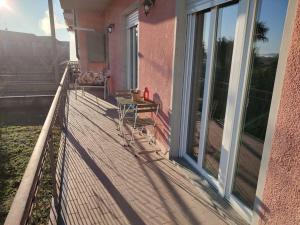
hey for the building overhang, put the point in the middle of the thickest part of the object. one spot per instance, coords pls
(84, 4)
(71, 6)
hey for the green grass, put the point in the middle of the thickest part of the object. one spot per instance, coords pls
(16, 145)
(19, 132)
(41, 208)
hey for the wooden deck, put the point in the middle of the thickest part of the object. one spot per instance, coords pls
(101, 182)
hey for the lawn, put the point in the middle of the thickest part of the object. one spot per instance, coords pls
(17, 143)
(19, 131)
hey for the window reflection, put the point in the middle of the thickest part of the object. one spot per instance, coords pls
(267, 37)
(199, 66)
(227, 17)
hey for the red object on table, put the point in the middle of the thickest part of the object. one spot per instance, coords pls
(146, 94)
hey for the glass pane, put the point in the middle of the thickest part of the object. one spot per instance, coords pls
(134, 54)
(269, 26)
(227, 17)
(199, 66)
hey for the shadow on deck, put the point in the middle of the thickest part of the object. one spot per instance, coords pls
(101, 182)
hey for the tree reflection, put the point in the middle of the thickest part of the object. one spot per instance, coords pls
(260, 93)
(261, 31)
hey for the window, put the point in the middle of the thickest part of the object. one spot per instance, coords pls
(229, 104)
(133, 42)
(96, 46)
(132, 49)
(265, 51)
(200, 58)
(226, 21)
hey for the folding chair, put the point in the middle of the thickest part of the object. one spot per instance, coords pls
(121, 113)
(141, 123)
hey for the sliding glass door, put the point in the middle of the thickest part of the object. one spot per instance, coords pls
(198, 77)
(232, 54)
(213, 42)
(133, 52)
(132, 22)
(259, 89)
(226, 19)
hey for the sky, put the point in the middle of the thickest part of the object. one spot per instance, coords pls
(272, 13)
(32, 16)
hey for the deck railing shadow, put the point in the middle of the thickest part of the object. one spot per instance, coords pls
(163, 190)
(125, 207)
(215, 204)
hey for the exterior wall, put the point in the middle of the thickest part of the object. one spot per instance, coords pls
(156, 41)
(88, 19)
(115, 14)
(281, 198)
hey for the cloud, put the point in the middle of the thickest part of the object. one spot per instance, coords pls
(5, 6)
(44, 23)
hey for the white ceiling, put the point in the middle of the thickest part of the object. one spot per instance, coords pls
(84, 4)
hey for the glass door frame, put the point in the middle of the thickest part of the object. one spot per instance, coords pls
(132, 22)
(236, 96)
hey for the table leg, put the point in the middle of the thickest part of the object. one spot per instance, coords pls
(123, 113)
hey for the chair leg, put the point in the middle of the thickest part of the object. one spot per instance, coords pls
(151, 136)
(119, 121)
(120, 112)
(132, 135)
(122, 133)
(121, 127)
(104, 90)
(148, 137)
(75, 91)
(108, 90)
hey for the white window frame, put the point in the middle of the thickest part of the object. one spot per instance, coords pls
(239, 75)
(233, 144)
(132, 20)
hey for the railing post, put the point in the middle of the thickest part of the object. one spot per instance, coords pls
(53, 168)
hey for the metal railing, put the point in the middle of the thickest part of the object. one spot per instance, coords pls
(20, 212)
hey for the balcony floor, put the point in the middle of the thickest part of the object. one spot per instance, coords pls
(101, 182)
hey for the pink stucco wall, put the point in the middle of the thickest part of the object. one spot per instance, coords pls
(156, 41)
(88, 19)
(114, 14)
(282, 189)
